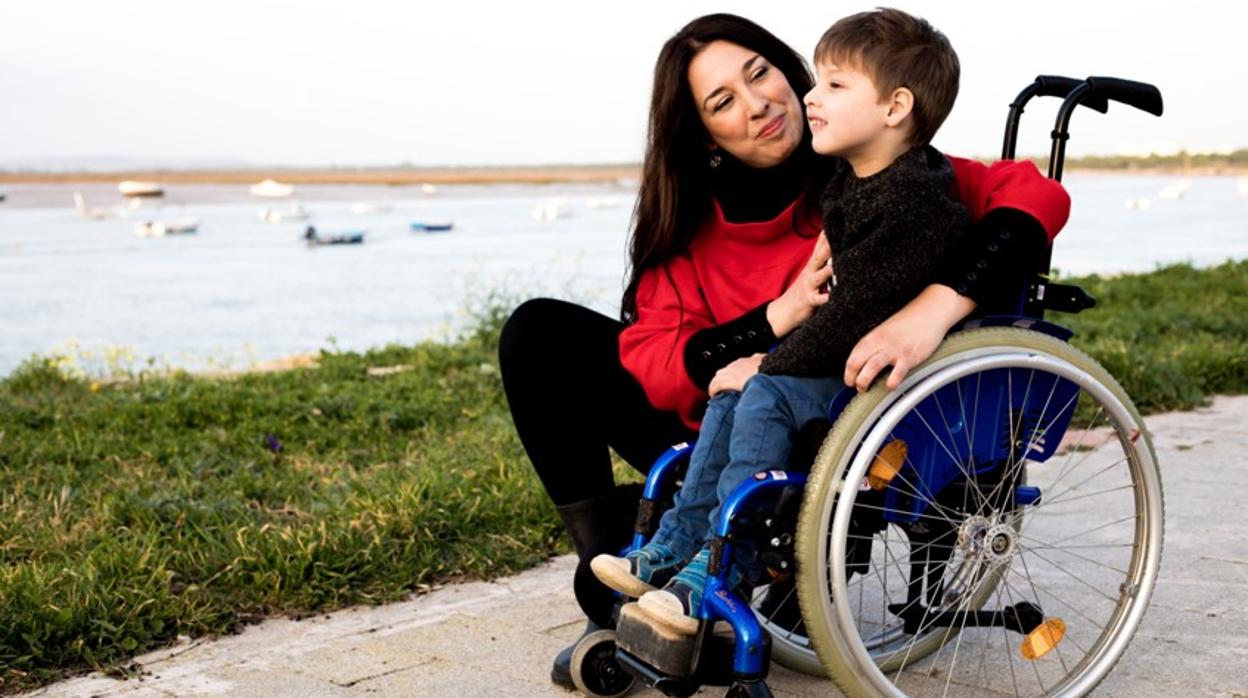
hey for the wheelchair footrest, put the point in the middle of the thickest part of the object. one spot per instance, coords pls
(670, 655)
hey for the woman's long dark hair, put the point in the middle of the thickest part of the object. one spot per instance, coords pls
(675, 193)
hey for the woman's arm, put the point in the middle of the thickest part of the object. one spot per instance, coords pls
(670, 309)
(711, 349)
(1016, 185)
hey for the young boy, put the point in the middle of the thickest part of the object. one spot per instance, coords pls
(886, 81)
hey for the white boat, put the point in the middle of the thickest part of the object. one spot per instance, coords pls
(159, 229)
(370, 207)
(1176, 190)
(428, 189)
(272, 189)
(96, 213)
(1243, 186)
(132, 187)
(602, 202)
(552, 209)
(294, 212)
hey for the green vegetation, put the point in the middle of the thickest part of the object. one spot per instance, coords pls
(1182, 159)
(1177, 162)
(178, 505)
(1173, 337)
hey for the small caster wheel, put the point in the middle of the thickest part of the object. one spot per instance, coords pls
(594, 669)
(748, 689)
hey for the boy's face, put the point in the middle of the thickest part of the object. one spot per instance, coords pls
(844, 110)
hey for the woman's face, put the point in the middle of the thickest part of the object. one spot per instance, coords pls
(746, 104)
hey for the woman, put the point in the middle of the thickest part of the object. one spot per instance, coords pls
(724, 263)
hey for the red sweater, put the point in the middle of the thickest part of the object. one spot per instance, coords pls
(732, 268)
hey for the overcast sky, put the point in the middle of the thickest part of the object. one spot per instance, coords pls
(463, 82)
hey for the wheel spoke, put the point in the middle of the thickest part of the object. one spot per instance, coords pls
(1074, 576)
(1046, 546)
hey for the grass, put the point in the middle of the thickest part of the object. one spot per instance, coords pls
(1173, 337)
(178, 505)
(175, 505)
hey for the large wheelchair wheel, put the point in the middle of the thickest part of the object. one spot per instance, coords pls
(992, 526)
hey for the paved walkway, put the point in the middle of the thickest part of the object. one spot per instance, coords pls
(497, 639)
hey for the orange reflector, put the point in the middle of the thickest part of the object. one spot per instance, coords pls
(887, 464)
(1043, 639)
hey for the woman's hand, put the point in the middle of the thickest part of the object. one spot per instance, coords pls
(906, 338)
(806, 294)
(734, 375)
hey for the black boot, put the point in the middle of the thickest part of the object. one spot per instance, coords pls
(561, 672)
(598, 525)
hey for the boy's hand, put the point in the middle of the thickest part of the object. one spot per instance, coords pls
(806, 294)
(907, 338)
(734, 375)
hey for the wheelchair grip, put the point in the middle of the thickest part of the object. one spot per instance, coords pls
(1140, 95)
(1059, 86)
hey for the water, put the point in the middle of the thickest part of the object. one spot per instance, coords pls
(1207, 226)
(242, 290)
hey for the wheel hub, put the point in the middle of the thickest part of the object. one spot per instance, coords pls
(972, 534)
(979, 537)
(1001, 545)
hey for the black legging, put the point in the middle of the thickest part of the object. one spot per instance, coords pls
(571, 401)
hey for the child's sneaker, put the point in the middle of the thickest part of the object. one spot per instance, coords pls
(639, 571)
(675, 603)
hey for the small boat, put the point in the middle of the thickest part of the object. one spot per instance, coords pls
(159, 229)
(90, 213)
(132, 187)
(294, 212)
(1243, 186)
(1139, 203)
(272, 189)
(431, 226)
(551, 210)
(345, 237)
(428, 189)
(602, 202)
(101, 213)
(369, 207)
(1176, 191)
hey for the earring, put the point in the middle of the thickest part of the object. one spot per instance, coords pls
(716, 160)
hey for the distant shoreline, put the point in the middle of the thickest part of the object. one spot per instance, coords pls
(468, 175)
(381, 176)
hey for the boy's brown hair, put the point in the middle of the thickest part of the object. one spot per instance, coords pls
(898, 50)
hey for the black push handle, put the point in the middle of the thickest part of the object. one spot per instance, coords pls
(1140, 95)
(1059, 86)
(1045, 86)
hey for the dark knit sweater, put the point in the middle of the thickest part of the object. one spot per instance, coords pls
(889, 233)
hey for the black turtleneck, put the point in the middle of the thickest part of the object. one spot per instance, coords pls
(748, 194)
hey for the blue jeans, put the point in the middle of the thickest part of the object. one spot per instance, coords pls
(742, 433)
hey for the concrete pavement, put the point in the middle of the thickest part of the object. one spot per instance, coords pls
(497, 638)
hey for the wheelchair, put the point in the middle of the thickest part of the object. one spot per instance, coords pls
(994, 525)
